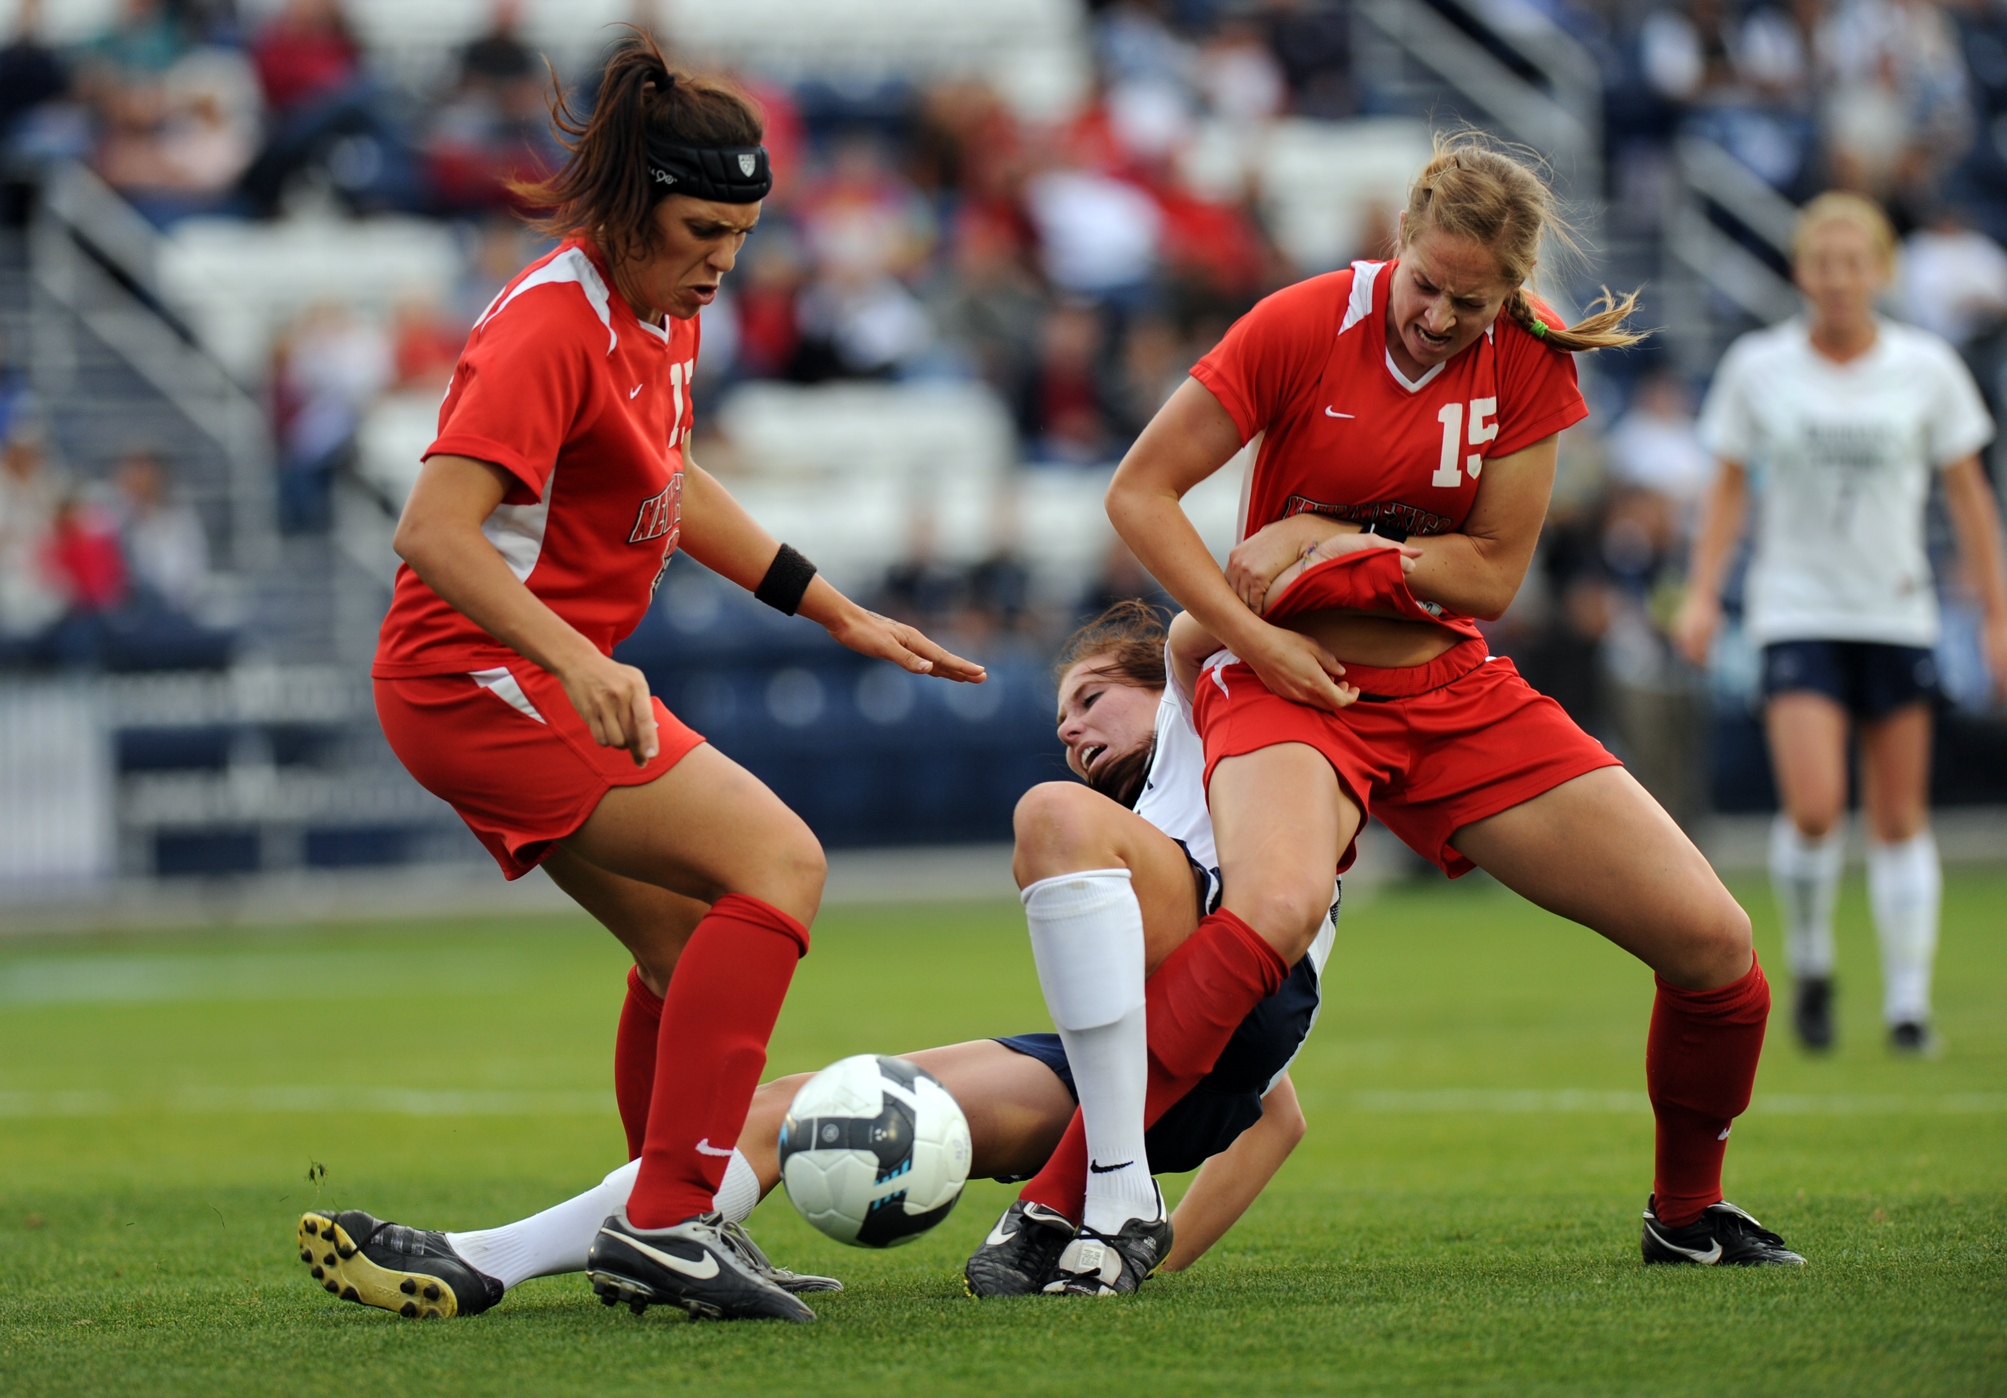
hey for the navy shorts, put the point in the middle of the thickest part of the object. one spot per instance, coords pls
(1867, 679)
(1227, 1100)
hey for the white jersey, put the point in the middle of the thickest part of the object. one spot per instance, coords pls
(1174, 800)
(1843, 455)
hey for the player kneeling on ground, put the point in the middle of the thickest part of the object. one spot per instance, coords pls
(1122, 728)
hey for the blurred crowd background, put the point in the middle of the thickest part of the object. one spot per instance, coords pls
(245, 240)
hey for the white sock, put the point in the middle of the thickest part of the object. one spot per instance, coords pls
(1905, 886)
(1805, 875)
(1087, 939)
(557, 1240)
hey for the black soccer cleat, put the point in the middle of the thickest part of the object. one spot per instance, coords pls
(692, 1265)
(413, 1271)
(1723, 1236)
(1812, 1013)
(1018, 1256)
(1095, 1264)
(794, 1283)
(1912, 1038)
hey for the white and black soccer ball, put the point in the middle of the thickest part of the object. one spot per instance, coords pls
(874, 1151)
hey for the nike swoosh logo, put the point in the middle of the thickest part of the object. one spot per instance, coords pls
(1109, 1169)
(1328, 412)
(1705, 1259)
(998, 1237)
(704, 1147)
(637, 389)
(699, 1271)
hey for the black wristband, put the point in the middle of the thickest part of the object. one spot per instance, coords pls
(786, 582)
(1387, 530)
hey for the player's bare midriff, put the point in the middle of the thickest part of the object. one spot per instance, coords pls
(1380, 639)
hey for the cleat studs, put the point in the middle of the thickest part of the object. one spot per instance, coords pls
(348, 1294)
(409, 1310)
(346, 1252)
(331, 1287)
(329, 1260)
(608, 1298)
(312, 1231)
(408, 1287)
(431, 1293)
(637, 1305)
(319, 1274)
(306, 1255)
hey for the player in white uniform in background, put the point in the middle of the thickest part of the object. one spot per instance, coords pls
(1845, 418)
(1128, 734)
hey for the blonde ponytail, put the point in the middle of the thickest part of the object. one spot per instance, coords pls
(1475, 189)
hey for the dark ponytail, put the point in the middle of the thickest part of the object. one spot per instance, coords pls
(604, 187)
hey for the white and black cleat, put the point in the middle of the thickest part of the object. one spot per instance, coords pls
(1112, 1264)
(1018, 1256)
(1723, 1236)
(412, 1271)
(794, 1283)
(692, 1265)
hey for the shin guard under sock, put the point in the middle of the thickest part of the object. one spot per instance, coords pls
(716, 1020)
(634, 1045)
(1195, 1001)
(1700, 1064)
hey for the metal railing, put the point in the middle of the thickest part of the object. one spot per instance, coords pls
(1707, 261)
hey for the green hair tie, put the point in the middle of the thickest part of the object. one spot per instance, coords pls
(1539, 328)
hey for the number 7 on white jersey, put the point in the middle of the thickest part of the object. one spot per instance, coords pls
(1481, 431)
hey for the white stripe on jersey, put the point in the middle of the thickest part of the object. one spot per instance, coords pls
(571, 265)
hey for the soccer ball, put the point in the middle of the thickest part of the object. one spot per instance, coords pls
(874, 1151)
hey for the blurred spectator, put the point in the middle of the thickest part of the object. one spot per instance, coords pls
(1154, 364)
(1122, 577)
(499, 59)
(1240, 77)
(424, 347)
(1098, 235)
(864, 227)
(771, 274)
(29, 601)
(1073, 413)
(988, 304)
(165, 545)
(330, 365)
(31, 73)
(82, 558)
(1654, 448)
(1312, 40)
(1134, 43)
(921, 589)
(1953, 279)
(305, 54)
(495, 127)
(178, 143)
(14, 391)
(1897, 100)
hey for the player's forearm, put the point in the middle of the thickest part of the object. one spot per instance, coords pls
(731, 543)
(1720, 528)
(1475, 576)
(455, 560)
(1155, 527)
(1229, 1182)
(1975, 519)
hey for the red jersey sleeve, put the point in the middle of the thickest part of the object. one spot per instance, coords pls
(518, 388)
(1274, 354)
(1537, 392)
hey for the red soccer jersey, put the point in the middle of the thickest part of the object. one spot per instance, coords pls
(588, 407)
(1340, 431)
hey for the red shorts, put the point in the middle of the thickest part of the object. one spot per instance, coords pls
(1437, 747)
(508, 751)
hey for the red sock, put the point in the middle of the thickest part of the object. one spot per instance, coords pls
(723, 1000)
(1700, 1063)
(1193, 1004)
(634, 1045)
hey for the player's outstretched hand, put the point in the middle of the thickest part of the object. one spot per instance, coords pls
(882, 638)
(1693, 628)
(1296, 668)
(613, 700)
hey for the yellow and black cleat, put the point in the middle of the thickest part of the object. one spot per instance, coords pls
(412, 1271)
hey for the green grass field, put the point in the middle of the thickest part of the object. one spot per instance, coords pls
(1463, 1216)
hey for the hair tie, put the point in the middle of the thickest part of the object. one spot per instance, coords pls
(1538, 327)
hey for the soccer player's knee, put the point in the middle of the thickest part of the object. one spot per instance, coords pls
(1056, 824)
(1286, 913)
(1717, 951)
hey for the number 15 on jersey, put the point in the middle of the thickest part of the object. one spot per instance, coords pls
(1483, 427)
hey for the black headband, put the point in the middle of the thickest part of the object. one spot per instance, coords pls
(728, 174)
